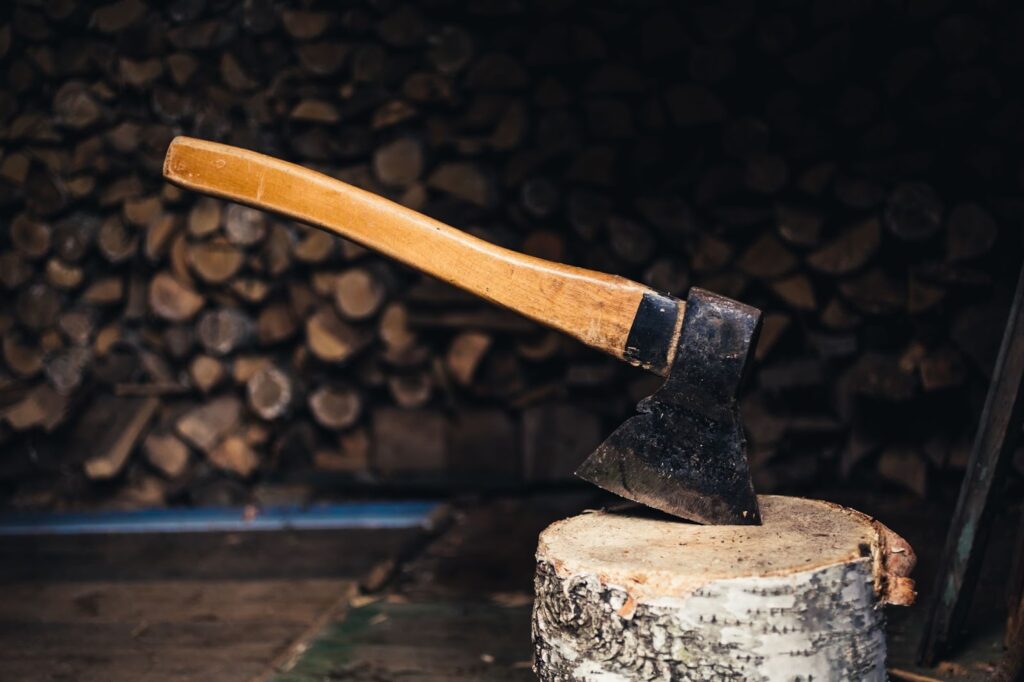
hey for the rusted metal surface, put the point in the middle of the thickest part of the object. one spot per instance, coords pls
(685, 452)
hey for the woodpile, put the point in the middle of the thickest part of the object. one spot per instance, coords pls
(861, 187)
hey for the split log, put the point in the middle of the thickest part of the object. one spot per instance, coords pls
(178, 259)
(111, 429)
(331, 339)
(270, 392)
(411, 389)
(875, 292)
(250, 289)
(631, 595)
(359, 293)
(166, 453)
(75, 107)
(399, 162)
(214, 262)
(905, 467)
(275, 324)
(245, 367)
(115, 242)
(104, 291)
(315, 111)
(797, 291)
(849, 251)
(315, 247)
(31, 238)
(37, 306)
(63, 275)
(66, 368)
(465, 354)
(798, 225)
(464, 181)
(204, 218)
(77, 326)
(233, 454)
(766, 258)
(335, 407)
(224, 331)
(140, 211)
(393, 329)
(172, 300)
(206, 372)
(42, 407)
(244, 226)
(205, 426)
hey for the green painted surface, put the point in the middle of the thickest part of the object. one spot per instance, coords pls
(331, 651)
(457, 641)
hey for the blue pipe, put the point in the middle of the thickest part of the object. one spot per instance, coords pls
(218, 519)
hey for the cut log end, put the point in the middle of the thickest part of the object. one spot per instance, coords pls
(668, 596)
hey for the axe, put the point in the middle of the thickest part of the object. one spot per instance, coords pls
(683, 453)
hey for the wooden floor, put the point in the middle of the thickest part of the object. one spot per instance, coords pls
(156, 630)
(194, 607)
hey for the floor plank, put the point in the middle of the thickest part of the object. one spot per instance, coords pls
(217, 606)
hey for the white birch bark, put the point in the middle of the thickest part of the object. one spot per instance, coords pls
(621, 597)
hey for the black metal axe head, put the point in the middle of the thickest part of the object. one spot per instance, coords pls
(685, 452)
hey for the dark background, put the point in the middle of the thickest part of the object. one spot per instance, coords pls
(852, 168)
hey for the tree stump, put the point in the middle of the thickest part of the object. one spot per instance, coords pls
(635, 595)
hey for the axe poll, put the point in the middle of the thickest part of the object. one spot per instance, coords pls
(683, 453)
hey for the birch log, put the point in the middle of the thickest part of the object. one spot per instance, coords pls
(635, 596)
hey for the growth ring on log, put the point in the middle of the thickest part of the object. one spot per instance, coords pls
(636, 595)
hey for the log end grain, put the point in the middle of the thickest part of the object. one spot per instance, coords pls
(644, 552)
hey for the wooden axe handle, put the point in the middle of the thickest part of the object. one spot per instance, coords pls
(594, 307)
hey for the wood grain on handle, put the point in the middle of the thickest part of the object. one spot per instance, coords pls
(596, 308)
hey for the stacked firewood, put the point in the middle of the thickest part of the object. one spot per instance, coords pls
(853, 170)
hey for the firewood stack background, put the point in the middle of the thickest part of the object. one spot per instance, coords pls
(854, 169)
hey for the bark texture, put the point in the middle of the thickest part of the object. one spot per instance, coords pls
(662, 600)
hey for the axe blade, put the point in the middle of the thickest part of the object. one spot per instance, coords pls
(685, 452)
(654, 459)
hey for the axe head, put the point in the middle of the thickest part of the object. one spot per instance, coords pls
(685, 452)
